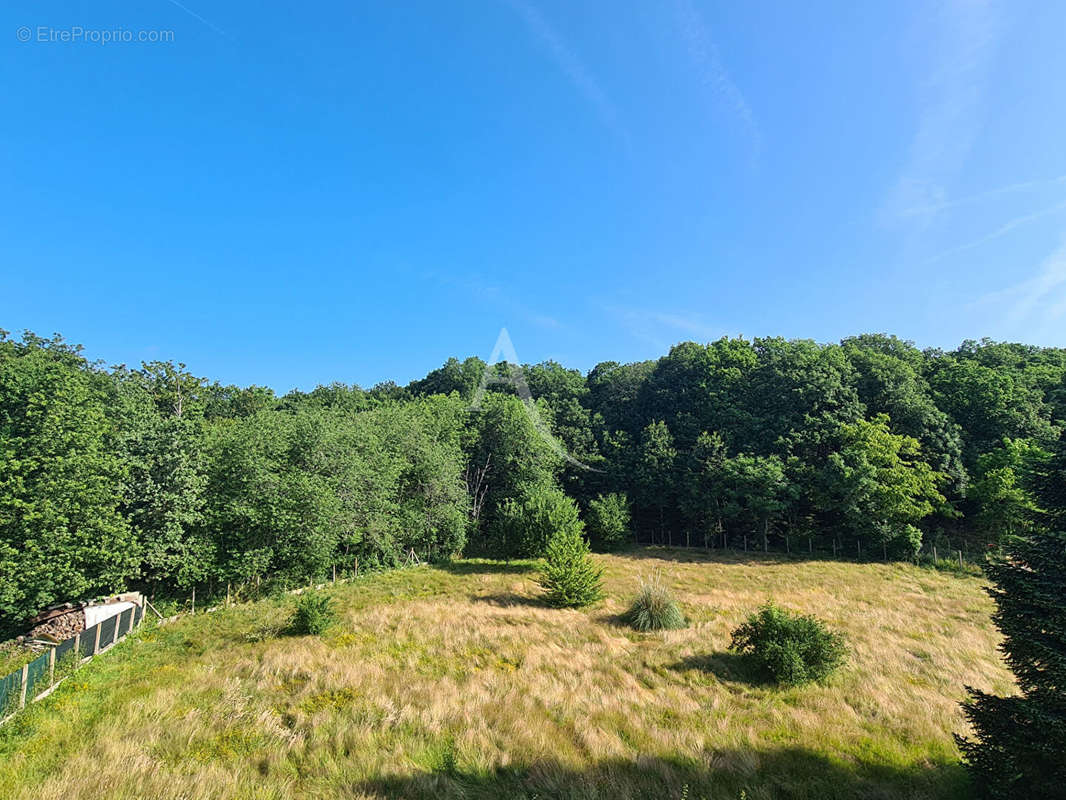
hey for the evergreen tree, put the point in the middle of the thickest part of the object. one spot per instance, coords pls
(570, 578)
(1020, 745)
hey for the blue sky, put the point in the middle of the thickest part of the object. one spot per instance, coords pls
(288, 195)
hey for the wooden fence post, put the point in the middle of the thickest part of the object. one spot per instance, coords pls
(934, 554)
(194, 598)
(51, 666)
(96, 642)
(25, 678)
(77, 649)
(960, 559)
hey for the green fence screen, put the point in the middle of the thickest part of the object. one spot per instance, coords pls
(10, 691)
(37, 676)
(39, 672)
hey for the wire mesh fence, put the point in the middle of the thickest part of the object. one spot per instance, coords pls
(31, 681)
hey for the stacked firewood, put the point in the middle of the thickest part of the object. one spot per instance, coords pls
(58, 626)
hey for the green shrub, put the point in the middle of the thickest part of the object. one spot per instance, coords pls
(524, 526)
(570, 578)
(789, 648)
(608, 520)
(654, 609)
(314, 613)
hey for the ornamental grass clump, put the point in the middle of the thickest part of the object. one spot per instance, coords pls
(791, 649)
(654, 609)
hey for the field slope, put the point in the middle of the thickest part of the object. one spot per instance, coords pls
(454, 682)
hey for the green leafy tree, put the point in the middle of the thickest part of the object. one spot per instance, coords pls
(269, 502)
(163, 492)
(454, 376)
(890, 380)
(508, 457)
(61, 534)
(656, 477)
(1004, 505)
(527, 524)
(703, 488)
(608, 520)
(880, 484)
(757, 491)
(994, 392)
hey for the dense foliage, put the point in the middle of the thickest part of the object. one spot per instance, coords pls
(791, 649)
(313, 614)
(608, 519)
(1020, 741)
(155, 478)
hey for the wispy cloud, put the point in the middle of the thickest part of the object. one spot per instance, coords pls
(490, 294)
(966, 33)
(665, 328)
(1020, 186)
(571, 65)
(704, 54)
(1037, 302)
(1002, 230)
(194, 15)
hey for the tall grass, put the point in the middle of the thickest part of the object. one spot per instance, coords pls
(453, 682)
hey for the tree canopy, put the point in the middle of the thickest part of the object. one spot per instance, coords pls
(155, 477)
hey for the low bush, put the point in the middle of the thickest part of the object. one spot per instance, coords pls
(654, 609)
(570, 578)
(314, 613)
(789, 648)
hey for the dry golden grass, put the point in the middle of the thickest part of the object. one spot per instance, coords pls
(454, 682)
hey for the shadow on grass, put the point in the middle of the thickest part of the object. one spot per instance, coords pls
(726, 666)
(790, 773)
(717, 555)
(479, 566)
(616, 621)
(508, 600)
(682, 555)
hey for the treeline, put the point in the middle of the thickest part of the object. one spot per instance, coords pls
(111, 477)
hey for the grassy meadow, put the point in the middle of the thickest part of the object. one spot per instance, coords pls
(454, 681)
